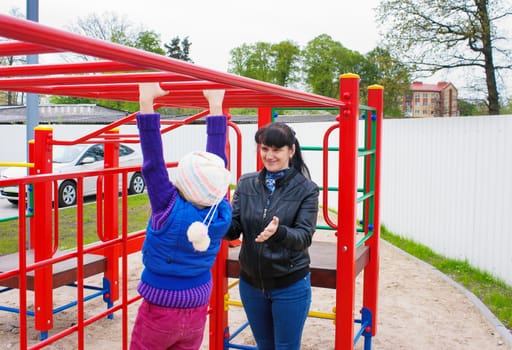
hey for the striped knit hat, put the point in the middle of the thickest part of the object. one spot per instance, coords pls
(202, 178)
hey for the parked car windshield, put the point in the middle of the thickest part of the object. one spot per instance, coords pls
(66, 154)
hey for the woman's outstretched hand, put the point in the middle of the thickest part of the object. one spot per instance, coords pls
(269, 231)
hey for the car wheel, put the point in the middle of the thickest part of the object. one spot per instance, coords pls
(137, 184)
(13, 201)
(67, 193)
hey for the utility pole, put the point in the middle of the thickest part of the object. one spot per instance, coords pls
(32, 99)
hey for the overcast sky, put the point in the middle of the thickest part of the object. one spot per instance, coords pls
(216, 27)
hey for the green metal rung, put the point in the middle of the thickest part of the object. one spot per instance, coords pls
(366, 196)
(365, 152)
(324, 227)
(330, 188)
(318, 148)
(364, 239)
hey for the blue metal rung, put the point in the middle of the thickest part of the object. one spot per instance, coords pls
(228, 345)
(101, 291)
(365, 330)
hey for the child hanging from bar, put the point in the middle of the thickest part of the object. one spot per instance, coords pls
(190, 215)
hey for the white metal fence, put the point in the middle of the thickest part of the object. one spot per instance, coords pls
(446, 182)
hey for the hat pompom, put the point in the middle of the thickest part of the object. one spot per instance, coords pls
(202, 246)
(202, 178)
(197, 233)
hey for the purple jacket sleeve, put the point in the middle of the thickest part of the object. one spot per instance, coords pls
(161, 191)
(216, 129)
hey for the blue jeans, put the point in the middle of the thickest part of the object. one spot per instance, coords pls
(277, 316)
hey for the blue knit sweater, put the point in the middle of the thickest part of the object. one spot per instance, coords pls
(175, 274)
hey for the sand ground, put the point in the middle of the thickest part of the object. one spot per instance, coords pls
(418, 309)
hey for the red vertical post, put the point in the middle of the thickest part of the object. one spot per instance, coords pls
(238, 171)
(42, 223)
(371, 271)
(218, 312)
(347, 213)
(111, 215)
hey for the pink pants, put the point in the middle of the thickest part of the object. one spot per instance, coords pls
(165, 328)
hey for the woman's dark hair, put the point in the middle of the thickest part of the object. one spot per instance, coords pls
(279, 135)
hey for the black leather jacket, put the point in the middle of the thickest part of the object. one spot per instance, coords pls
(283, 259)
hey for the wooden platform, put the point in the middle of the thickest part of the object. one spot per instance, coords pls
(64, 272)
(323, 263)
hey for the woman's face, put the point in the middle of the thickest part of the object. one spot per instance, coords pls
(275, 159)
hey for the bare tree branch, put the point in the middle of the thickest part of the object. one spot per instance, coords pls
(435, 35)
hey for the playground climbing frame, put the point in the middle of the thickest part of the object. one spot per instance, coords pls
(115, 75)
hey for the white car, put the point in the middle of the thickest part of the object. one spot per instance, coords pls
(76, 158)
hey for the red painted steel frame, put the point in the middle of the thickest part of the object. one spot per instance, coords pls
(43, 296)
(117, 77)
(111, 218)
(371, 271)
(347, 218)
(50, 38)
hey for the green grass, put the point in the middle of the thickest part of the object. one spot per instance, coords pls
(138, 214)
(494, 293)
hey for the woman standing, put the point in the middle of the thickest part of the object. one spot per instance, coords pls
(276, 210)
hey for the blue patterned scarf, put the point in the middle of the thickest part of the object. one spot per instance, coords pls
(271, 177)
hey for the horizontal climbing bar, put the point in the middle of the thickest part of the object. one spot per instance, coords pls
(365, 196)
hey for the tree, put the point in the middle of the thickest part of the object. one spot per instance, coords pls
(179, 49)
(324, 60)
(11, 97)
(434, 35)
(471, 108)
(286, 59)
(252, 61)
(109, 27)
(274, 63)
(507, 106)
(381, 68)
(149, 40)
